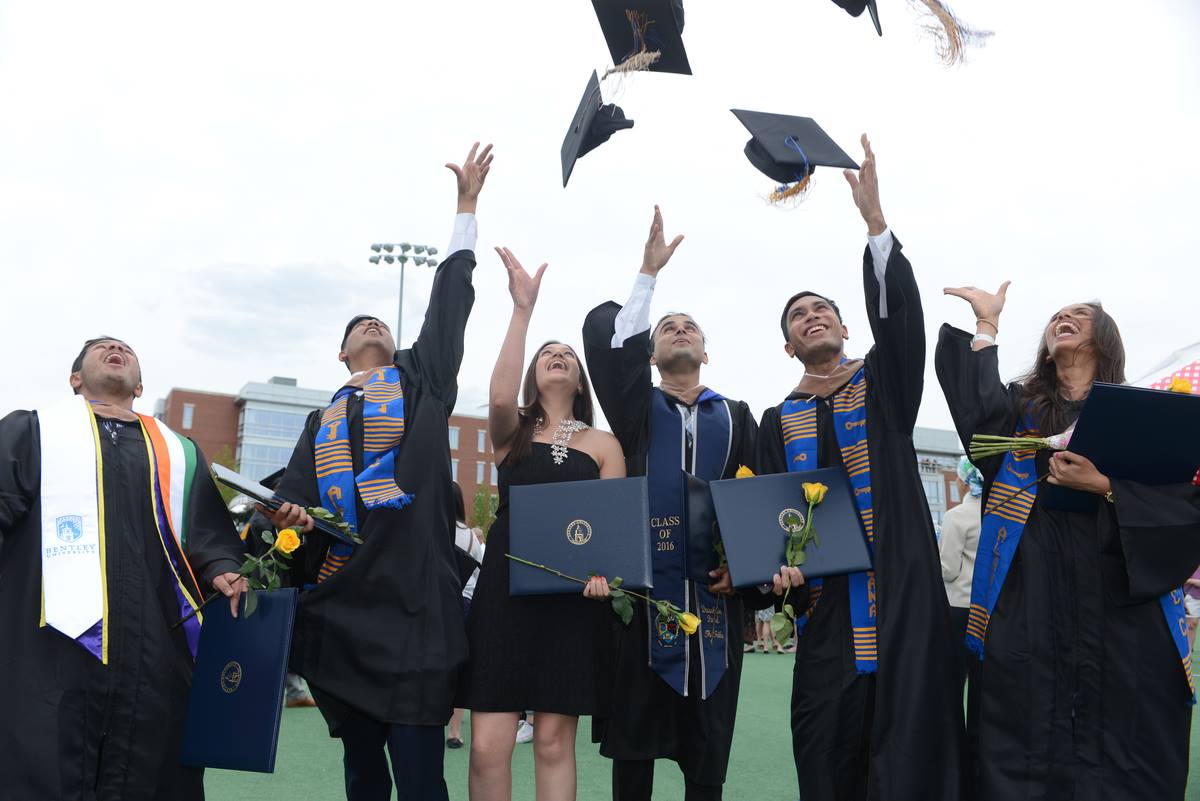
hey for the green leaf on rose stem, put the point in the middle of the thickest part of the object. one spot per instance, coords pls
(616, 593)
(799, 559)
(664, 608)
(273, 582)
(268, 537)
(592, 574)
(781, 627)
(623, 608)
(615, 583)
(789, 611)
(251, 603)
(247, 567)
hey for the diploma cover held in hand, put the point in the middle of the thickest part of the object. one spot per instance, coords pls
(237, 687)
(599, 527)
(754, 514)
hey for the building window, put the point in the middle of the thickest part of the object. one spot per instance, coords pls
(453, 438)
(954, 493)
(482, 442)
(479, 472)
(495, 477)
(189, 411)
(933, 490)
(260, 461)
(454, 466)
(270, 423)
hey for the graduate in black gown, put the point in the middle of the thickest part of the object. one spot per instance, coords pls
(100, 716)
(667, 696)
(876, 712)
(533, 653)
(379, 632)
(1082, 684)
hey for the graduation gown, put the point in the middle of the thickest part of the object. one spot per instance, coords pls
(74, 727)
(1081, 693)
(384, 635)
(641, 717)
(895, 735)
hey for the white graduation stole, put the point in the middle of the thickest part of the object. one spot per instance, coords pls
(73, 586)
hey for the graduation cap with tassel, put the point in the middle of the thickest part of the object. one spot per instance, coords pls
(594, 122)
(952, 35)
(787, 150)
(643, 35)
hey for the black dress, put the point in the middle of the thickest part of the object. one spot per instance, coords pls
(535, 653)
(1081, 693)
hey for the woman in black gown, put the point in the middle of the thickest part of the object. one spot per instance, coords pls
(1082, 692)
(533, 653)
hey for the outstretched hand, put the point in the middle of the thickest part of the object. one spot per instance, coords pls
(658, 252)
(984, 304)
(523, 287)
(471, 175)
(865, 188)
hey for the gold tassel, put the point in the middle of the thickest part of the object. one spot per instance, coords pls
(953, 37)
(790, 192)
(635, 63)
(640, 61)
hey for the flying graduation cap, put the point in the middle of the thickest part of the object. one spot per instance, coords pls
(788, 149)
(855, 8)
(591, 126)
(644, 35)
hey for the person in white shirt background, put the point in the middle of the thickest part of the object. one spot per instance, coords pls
(960, 538)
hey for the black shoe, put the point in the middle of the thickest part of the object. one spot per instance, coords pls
(453, 742)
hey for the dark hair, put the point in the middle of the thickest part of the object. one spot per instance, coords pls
(527, 415)
(460, 509)
(1050, 409)
(783, 318)
(661, 320)
(358, 318)
(77, 365)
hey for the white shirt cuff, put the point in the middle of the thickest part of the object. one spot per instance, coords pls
(881, 250)
(634, 316)
(466, 233)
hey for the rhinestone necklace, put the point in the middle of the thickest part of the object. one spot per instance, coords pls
(562, 436)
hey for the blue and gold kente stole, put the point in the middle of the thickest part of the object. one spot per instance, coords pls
(710, 433)
(383, 429)
(799, 423)
(1006, 510)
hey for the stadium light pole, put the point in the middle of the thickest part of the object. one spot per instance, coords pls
(389, 253)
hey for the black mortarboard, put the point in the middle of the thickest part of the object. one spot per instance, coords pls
(358, 318)
(272, 481)
(855, 8)
(788, 149)
(591, 126)
(633, 27)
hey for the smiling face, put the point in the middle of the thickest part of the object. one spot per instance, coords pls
(1070, 330)
(814, 330)
(108, 368)
(369, 340)
(678, 344)
(557, 366)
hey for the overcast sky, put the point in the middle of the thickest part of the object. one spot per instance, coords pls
(205, 180)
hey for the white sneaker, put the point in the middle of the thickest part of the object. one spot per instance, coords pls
(524, 731)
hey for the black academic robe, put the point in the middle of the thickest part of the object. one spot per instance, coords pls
(75, 728)
(895, 735)
(384, 636)
(1081, 693)
(641, 716)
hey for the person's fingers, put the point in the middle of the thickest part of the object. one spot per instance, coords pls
(674, 244)
(958, 292)
(454, 168)
(851, 179)
(537, 279)
(485, 155)
(471, 155)
(1002, 292)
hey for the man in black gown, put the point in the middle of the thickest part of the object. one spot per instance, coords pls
(891, 731)
(103, 723)
(666, 696)
(1079, 690)
(380, 638)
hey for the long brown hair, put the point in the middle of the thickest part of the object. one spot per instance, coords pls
(1051, 411)
(531, 410)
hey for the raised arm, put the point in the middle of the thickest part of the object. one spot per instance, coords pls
(616, 344)
(503, 421)
(438, 350)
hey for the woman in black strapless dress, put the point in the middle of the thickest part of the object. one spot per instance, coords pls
(534, 653)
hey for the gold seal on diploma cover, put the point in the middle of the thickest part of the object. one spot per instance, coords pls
(231, 677)
(579, 532)
(791, 521)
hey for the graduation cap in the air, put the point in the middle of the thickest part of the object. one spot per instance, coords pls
(591, 126)
(855, 8)
(787, 149)
(644, 34)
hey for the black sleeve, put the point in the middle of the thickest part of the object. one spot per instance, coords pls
(746, 453)
(979, 401)
(438, 350)
(1159, 534)
(213, 544)
(20, 468)
(620, 376)
(769, 456)
(897, 361)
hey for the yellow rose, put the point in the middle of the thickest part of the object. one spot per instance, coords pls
(815, 493)
(1180, 384)
(287, 540)
(743, 472)
(689, 623)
